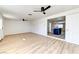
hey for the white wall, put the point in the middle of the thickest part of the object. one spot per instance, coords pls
(37, 26)
(72, 28)
(14, 26)
(1, 27)
(1, 22)
(40, 25)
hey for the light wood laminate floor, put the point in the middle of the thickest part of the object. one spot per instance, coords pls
(34, 43)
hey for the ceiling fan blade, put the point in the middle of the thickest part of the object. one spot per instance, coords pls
(36, 11)
(42, 9)
(47, 7)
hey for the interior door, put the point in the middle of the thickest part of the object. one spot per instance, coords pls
(72, 28)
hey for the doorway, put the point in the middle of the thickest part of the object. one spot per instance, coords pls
(56, 27)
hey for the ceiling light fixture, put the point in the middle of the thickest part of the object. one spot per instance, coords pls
(30, 14)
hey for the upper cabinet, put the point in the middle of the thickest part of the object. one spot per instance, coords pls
(72, 28)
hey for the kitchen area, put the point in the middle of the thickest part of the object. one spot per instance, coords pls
(56, 27)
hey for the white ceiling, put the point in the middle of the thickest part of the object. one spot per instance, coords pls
(21, 11)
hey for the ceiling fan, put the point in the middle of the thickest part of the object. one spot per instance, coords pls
(24, 20)
(43, 9)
